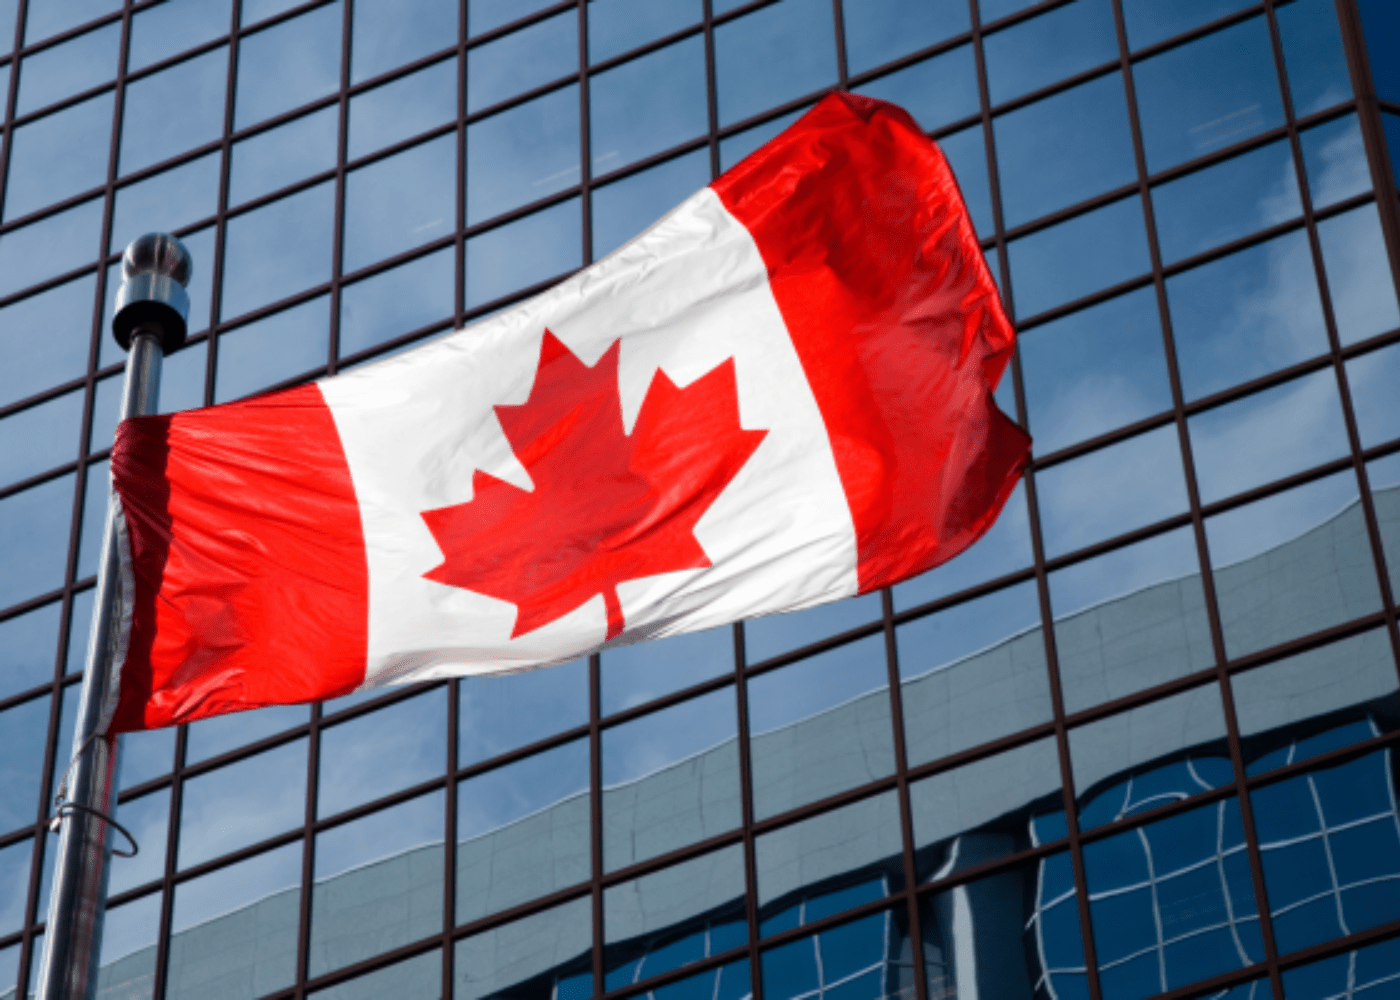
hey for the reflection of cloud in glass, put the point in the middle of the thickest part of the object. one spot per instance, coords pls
(1268, 435)
(1335, 157)
(243, 803)
(382, 752)
(499, 797)
(1358, 273)
(1372, 379)
(662, 738)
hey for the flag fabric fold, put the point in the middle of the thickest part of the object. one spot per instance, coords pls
(777, 396)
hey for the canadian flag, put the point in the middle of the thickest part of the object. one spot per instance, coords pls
(777, 396)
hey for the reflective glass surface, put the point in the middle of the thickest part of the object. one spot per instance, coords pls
(272, 350)
(1057, 44)
(396, 301)
(626, 208)
(384, 751)
(282, 156)
(243, 803)
(774, 55)
(1075, 258)
(550, 956)
(53, 159)
(174, 110)
(615, 26)
(400, 202)
(1363, 291)
(168, 28)
(385, 34)
(402, 109)
(521, 61)
(1371, 377)
(287, 65)
(70, 68)
(1335, 158)
(937, 91)
(1207, 94)
(648, 105)
(523, 253)
(1312, 52)
(878, 31)
(522, 155)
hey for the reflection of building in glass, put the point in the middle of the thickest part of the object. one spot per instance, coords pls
(1171, 902)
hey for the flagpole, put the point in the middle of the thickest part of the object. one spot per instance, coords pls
(149, 322)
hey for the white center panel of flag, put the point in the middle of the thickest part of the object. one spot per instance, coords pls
(683, 298)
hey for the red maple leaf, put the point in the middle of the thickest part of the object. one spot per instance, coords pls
(607, 506)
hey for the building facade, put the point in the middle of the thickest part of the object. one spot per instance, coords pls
(1138, 740)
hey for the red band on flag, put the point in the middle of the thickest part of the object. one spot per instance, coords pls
(877, 271)
(248, 558)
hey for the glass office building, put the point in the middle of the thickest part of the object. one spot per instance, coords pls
(1138, 740)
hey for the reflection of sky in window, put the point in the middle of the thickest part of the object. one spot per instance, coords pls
(148, 819)
(1372, 379)
(407, 107)
(163, 30)
(1049, 48)
(70, 68)
(506, 794)
(129, 928)
(176, 109)
(1358, 274)
(772, 635)
(790, 694)
(211, 737)
(736, 147)
(936, 92)
(33, 439)
(283, 156)
(774, 55)
(382, 752)
(658, 740)
(880, 31)
(288, 65)
(379, 835)
(1255, 528)
(1246, 315)
(166, 202)
(648, 105)
(228, 889)
(23, 730)
(617, 26)
(55, 158)
(625, 208)
(1268, 435)
(1313, 55)
(243, 803)
(522, 60)
(524, 154)
(389, 33)
(634, 675)
(26, 649)
(1335, 158)
(513, 710)
(1163, 557)
(33, 524)
(947, 637)
(1090, 252)
(272, 350)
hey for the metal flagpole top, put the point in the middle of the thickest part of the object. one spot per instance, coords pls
(149, 322)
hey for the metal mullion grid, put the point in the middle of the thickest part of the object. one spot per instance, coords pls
(1217, 632)
(1334, 337)
(1037, 542)
(746, 807)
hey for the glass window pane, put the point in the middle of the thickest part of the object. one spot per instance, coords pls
(1314, 702)
(243, 803)
(397, 301)
(388, 33)
(486, 15)
(211, 737)
(967, 155)
(289, 64)
(278, 250)
(1208, 94)
(55, 158)
(673, 917)
(46, 19)
(551, 953)
(148, 819)
(24, 730)
(937, 91)
(402, 109)
(1267, 436)
(383, 752)
(417, 978)
(522, 155)
(166, 202)
(1372, 379)
(1130, 619)
(1113, 490)
(616, 26)
(507, 711)
(43, 249)
(647, 105)
(1291, 564)
(28, 644)
(7, 38)
(522, 60)
(1365, 972)
(96, 496)
(736, 147)
(973, 673)
(773, 635)
(1095, 370)
(851, 957)
(146, 755)
(1172, 902)
(1335, 158)
(128, 954)
(1034, 908)
(1227, 201)
(1382, 30)
(635, 675)
(773, 55)
(879, 31)
(1133, 761)
(1358, 273)
(1150, 21)
(285, 155)
(15, 862)
(680, 763)
(1005, 548)
(820, 726)
(985, 810)
(626, 208)
(1088, 253)
(34, 529)
(378, 883)
(1048, 48)
(85, 62)
(1064, 149)
(545, 245)
(1331, 851)
(522, 831)
(273, 350)
(1246, 315)
(40, 437)
(214, 915)
(1313, 54)
(400, 202)
(161, 31)
(175, 110)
